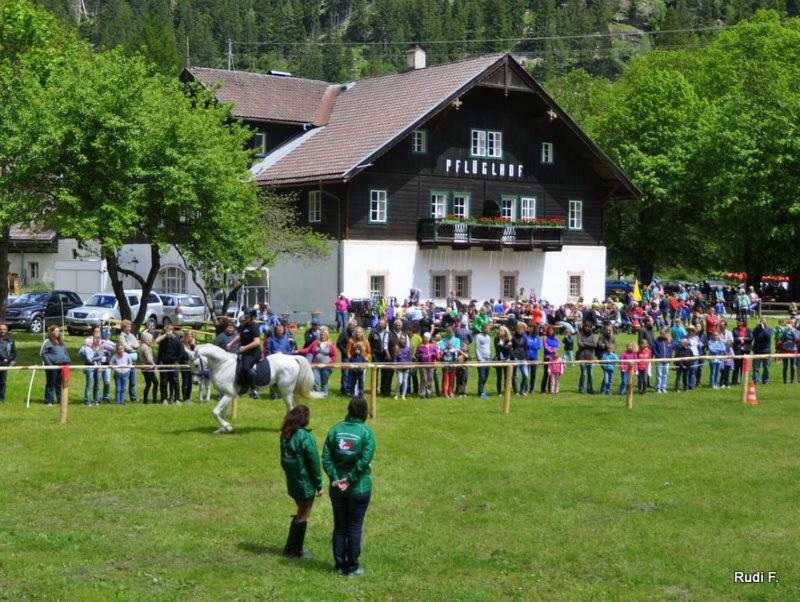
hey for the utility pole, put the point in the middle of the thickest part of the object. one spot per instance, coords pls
(230, 54)
(188, 58)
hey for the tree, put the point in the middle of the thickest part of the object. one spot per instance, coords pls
(125, 154)
(32, 46)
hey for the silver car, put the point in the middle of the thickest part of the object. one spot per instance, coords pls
(182, 309)
(102, 307)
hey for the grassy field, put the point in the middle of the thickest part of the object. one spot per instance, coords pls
(569, 497)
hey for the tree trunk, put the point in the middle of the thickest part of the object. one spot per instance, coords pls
(115, 273)
(646, 270)
(116, 284)
(5, 243)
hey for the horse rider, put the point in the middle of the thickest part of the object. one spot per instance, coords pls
(249, 350)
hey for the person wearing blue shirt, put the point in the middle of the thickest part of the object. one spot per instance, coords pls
(280, 342)
(449, 336)
(534, 344)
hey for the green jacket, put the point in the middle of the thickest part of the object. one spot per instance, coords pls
(347, 454)
(479, 321)
(300, 462)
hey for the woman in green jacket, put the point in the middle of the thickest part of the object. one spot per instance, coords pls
(300, 462)
(346, 456)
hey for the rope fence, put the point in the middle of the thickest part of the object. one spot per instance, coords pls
(374, 367)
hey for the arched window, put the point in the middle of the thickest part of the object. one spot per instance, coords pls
(172, 279)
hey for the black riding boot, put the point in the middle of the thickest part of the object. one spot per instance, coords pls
(290, 549)
(301, 537)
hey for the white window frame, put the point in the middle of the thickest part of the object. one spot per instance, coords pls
(172, 279)
(438, 204)
(456, 198)
(579, 279)
(33, 270)
(515, 279)
(373, 290)
(575, 215)
(419, 142)
(260, 144)
(314, 206)
(527, 208)
(378, 206)
(547, 153)
(512, 200)
(477, 146)
(494, 144)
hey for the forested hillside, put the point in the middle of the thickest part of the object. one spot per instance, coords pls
(339, 40)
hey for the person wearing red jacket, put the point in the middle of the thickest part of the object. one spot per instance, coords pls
(322, 351)
(642, 367)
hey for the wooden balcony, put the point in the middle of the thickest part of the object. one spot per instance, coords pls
(432, 233)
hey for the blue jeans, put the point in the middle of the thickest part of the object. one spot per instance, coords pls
(121, 384)
(608, 377)
(402, 382)
(523, 385)
(624, 379)
(341, 320)
(345, 382)
(585, 383)
(357, 381)
(91, 392)
(132, 385)
(321, 376)
(348, 520)
(662, 376)
(715, 366)
(483, 376)
(761, 371)
(52, 386)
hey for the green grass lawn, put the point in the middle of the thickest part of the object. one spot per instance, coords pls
(568, 497)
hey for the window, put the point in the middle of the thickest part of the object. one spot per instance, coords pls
(438, 286)
(575, 286)
(486, 143)
(575, 221)
(494, 144)
(419, 142)
(377, 286)
(260, 144)
(315, 206)
(508, 207)
(172, 279)
(438, 204)
(527, 208)
(508, 285)
(33, 270)
(461, 204)
(462, 286)
(377, 206)
(547, 152)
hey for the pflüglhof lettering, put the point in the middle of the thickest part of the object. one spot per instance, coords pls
(481, 168)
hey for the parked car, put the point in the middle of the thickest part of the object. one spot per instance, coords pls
(102, 307)
(37, 310)
(233, 306)
(183, 309)
(618, 288)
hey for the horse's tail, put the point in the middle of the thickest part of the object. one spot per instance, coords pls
(305, 380)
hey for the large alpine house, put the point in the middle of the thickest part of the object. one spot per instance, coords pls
(465, 177)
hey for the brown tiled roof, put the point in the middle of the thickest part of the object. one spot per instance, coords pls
(368, 115)
(29, 233)
(265, 97)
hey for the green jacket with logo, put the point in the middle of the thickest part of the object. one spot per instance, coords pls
(347, 454)
(300, 462)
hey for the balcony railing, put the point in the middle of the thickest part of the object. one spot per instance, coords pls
(433, 233)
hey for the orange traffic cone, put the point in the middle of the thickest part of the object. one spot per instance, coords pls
(751, 400)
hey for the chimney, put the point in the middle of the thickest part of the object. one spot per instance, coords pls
(415, 58)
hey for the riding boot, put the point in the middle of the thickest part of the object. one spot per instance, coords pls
(290, 549)
(301, 537)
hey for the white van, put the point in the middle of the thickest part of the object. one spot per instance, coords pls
(102, 307)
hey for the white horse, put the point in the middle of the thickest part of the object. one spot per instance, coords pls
(290, 374)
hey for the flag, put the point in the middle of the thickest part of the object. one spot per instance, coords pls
(637, 294)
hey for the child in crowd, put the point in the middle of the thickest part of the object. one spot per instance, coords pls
(449, 359)
(683, 367)
(122, 374)
(716, 347)
(403, 357)
(555, 368)
(427, 354)
(643, 378)
(357, 374)
(568, 343)
(662, 349)
(609, 358)
(626, 369)
(727, 366)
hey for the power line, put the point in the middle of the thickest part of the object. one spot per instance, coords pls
(618, 35)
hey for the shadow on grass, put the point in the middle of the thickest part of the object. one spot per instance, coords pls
(209, 430)
(262, 550)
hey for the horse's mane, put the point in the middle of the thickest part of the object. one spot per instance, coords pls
(213, 352)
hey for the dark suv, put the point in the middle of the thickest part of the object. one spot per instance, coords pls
(36, 311)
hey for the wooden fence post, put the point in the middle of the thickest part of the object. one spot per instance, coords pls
(373, 392)
(65, 373)
(235, 408)
(629, 389)
(507, 389)
(745, 378)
